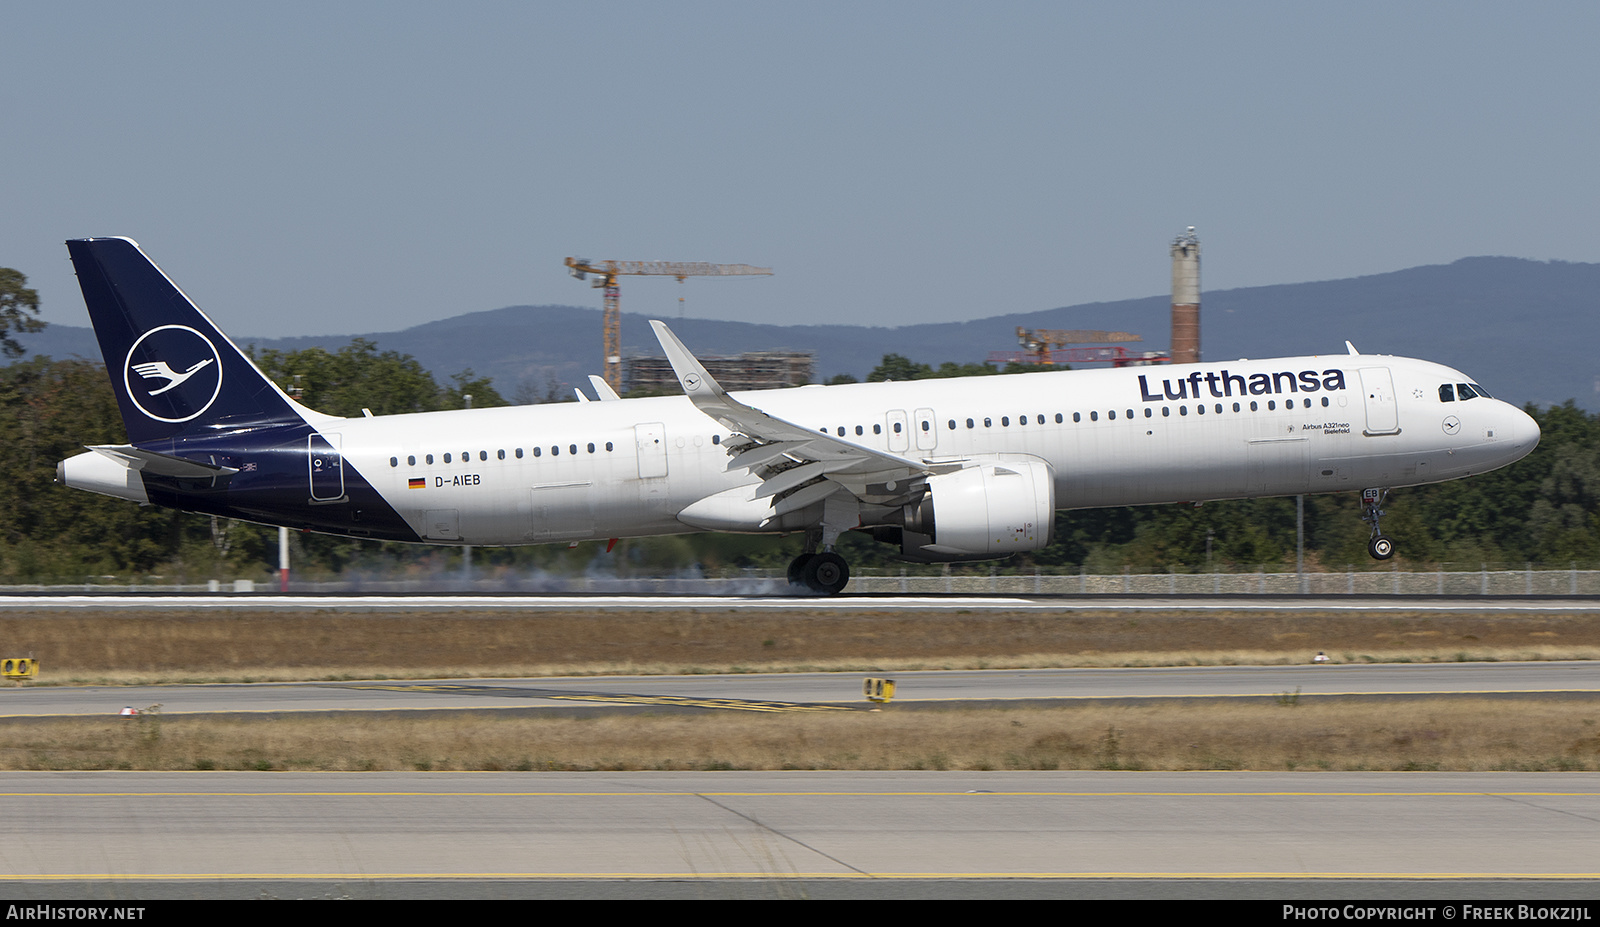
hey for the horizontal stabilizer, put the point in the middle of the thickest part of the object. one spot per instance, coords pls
(135, 458)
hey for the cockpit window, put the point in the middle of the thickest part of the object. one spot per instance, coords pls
(1447, 393)
(1481, 391)
(1464, 390)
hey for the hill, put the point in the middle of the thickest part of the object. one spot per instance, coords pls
(1522, 328)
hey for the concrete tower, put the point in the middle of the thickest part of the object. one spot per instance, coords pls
(1186, 298)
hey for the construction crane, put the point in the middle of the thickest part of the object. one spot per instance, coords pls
(606, 274)
(1049, 346)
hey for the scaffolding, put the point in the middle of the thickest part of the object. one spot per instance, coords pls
(754, 370)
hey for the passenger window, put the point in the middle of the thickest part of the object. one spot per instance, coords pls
(1236, 407)
(1219, 407)
(1149, 412)
(500, 454)
(430, 459)
(1077, 416)
(715, 439)
(1094, 416)
(841, 431)
(591, 447)
(555, 450)
(1005, 420)
(1058, 418)
(608, 443)
(412, 460)
(896, 427)
(484, 455)
(1200, 409)
(1130, 413)
(573, 449)
(1447, 393)
(1112, 415)
(394, 461)
(538, 452)
(988, 423)
(952, 424)
(970, 423)
(1324, 402)
(1041, 420)
(447, 458)
(1272, 405)
(877, 429)
(1254, 407)
(1183, 410)
(1166, 411)
(860, 430)
(519, 453)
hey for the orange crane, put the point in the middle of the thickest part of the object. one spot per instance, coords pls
(606, 274)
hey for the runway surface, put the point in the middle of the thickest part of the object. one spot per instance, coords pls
(835, 834)
(1315, 835)
(1198, 603)
(815, 691)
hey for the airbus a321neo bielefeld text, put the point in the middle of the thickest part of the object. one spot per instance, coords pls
(947, 470)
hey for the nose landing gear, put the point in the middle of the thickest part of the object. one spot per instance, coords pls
(1381, 546)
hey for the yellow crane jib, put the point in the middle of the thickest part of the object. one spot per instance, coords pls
(606, 274)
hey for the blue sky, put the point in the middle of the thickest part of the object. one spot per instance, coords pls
(322, 168)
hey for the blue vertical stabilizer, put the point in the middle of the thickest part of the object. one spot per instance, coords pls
(174, 373)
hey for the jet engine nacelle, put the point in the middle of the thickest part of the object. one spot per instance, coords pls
(982, 513)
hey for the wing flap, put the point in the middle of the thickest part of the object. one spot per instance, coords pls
(843, 463)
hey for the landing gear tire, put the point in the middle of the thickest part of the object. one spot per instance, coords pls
(826, 573)
(1381, 547)
(797, 569)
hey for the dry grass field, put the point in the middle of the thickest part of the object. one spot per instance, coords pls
(105, 647)
(1291, 734)
(80, 647)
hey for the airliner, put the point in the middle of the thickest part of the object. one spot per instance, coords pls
(946, 470)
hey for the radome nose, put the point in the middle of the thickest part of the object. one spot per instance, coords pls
(1524, 431)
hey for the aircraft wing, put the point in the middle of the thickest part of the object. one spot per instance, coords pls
(796, 464)
(602, 389)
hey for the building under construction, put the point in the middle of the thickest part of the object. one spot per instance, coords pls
(755, 370)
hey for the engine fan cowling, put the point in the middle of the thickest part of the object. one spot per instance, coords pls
(982, 512)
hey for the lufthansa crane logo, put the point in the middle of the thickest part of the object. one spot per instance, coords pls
(172, 373)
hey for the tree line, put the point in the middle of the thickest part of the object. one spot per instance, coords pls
(1541, 509)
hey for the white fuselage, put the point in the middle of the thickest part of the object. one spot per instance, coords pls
(627, 468)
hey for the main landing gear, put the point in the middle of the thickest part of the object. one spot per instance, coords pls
(1381, 546)
(826, 572)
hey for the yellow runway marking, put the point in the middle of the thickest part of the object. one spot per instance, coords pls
(675, 701)
(1475, 793)
(199, 876)
(683, 701)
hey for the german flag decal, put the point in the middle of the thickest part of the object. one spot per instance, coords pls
(416, 483)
